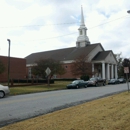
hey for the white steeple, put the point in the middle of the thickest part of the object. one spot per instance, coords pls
(82, 18)
(82, 39)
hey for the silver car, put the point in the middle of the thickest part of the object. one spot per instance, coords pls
(4, 90)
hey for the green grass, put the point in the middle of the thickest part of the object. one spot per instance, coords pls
(38, 88)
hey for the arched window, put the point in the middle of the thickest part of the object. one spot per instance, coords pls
(80, 32)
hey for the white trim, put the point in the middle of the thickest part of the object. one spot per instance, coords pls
(28, 65)
(69, 61)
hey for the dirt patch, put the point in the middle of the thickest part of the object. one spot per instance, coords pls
(110, 113)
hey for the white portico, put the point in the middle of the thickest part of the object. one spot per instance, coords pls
(105, 65)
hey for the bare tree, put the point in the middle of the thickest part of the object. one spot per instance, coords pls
(126, 63)
(41, 65)
(81, 66)
(120, 69)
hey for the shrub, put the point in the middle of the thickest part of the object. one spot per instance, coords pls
(85, 77)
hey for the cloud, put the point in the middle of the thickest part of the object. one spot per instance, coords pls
(20, 4)
(35, 26)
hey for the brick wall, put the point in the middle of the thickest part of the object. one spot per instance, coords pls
(69, 74)
(17, 68)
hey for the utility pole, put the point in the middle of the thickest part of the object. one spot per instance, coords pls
(8, 61)
(128, 70)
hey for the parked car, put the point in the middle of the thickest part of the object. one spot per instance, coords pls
(4, 90)
(122, 80)
(96, 81)
(77, 84)
(113, 81)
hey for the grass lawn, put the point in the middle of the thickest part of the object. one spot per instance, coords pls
(109, 113)
(38, 88)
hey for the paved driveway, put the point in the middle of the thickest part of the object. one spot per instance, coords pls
(16, 108)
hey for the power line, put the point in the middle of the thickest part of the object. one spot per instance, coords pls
(69, 33)
(77, 32)
(39, 25)
(108, 22)
(58, 24)
(52, 37)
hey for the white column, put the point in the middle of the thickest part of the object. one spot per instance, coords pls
(112, 71)
(93, 69)
(116, 72)
(103, 70)
(108, 72)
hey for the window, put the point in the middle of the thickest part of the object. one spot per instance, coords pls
(80, 32)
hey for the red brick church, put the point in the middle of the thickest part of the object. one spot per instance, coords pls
(104, 62)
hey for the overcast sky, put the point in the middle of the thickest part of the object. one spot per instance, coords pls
(42, 25)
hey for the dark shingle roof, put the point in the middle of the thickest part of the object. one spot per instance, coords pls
(101, 55)
(61, 54)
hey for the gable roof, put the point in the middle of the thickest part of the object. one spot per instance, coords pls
(61, 54)
(101, 55)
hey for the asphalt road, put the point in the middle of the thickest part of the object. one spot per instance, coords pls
(21, 107)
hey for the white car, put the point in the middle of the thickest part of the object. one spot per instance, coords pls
(4, 90)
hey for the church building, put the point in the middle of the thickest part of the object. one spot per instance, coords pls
(103, 63)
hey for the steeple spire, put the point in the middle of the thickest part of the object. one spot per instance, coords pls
(82, 17)
(82, 39)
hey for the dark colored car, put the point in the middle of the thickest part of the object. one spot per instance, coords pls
(96, 81)
(113, 81)
(122, 80)
(77, 84)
